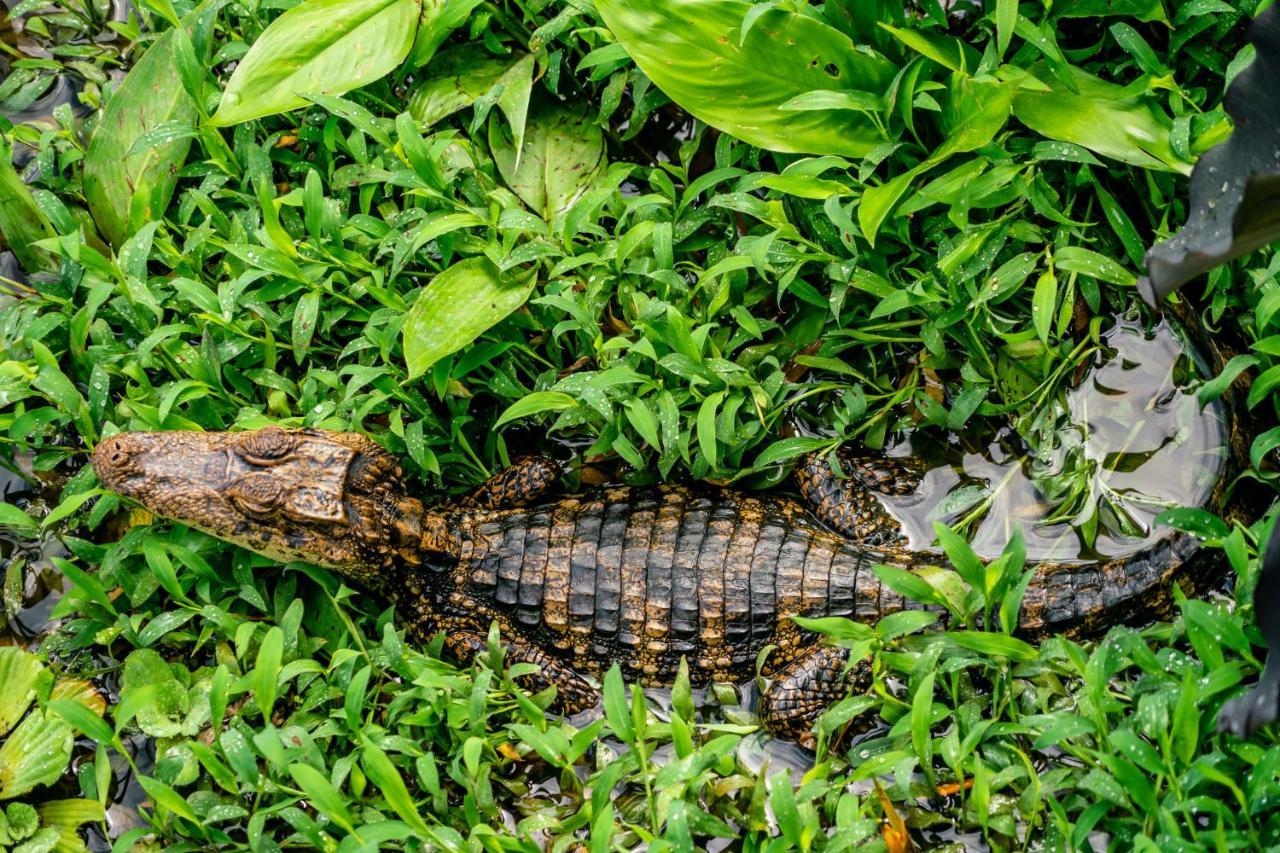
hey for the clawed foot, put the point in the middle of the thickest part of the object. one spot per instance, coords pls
(1245, 714)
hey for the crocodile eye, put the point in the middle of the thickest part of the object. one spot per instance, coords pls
(256, 495)
(266, 446)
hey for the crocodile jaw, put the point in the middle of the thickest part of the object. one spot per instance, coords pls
(333, 499)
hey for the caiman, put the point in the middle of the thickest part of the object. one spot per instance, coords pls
(638, 576)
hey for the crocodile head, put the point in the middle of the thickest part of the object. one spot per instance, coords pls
(329, 498)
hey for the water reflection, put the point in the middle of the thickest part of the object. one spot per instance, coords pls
(1127, 441)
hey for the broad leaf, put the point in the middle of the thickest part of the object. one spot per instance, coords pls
(34, 754)
(458, 305)
(126, 190)
(563, 150)
(456, 79)
(324, 47)
(693, 50)
(19, 672)
(1235, 187)
(438, 19)
(21, 222)
(1102, 117)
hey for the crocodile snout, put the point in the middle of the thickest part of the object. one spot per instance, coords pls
(117, 460)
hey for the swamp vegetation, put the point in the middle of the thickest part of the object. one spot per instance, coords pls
(679, 239)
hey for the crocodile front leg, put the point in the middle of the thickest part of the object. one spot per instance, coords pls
(573, 692)
(528, 478)
(848, 503)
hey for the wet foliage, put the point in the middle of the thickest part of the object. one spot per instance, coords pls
(550, 226)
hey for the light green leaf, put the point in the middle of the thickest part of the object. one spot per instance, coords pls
(536, 403)
(438, 19)
(266, 670)
(693, 52)
(324, 47)
(457, 78)
(11, 516)
(21, 221)
(385, 775)
(563, 150)
(1042, 303)
(322, 794)
(124, 190)
(1104, 118)
(458, 305)
(19, 672)
(161, 702)
(34, 754)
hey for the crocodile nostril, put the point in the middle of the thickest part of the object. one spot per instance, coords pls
(114, 460)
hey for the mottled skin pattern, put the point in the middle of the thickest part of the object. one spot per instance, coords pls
(640, 577)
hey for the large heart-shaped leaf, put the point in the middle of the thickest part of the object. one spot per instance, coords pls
(324, 47)
(1235, 186)
(457, 307)
(563, 150)
(126, 190)
(695, 52)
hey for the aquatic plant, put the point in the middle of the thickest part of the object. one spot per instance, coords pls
(534, 225)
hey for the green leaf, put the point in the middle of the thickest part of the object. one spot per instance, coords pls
(962, 557)
(1104, 118)
(460, 304)
(459, 77)
(266, 670)
(536, 403)
(1043, 301)
(999, 645)
(1088, 262)
(11, 516)
(124, 190)
(693, 52)
(36, 752)
(616, 709)
(948, 51)
(21, 222)
(563, 151)
(385, 775)
(1218, 385)
(1194, 520)
(322, 794)
(19, 673)
(324, 47)
(439, 18)
(154, 695)
(1006, 19)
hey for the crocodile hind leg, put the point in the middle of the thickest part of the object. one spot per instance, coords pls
(528, 478)
(573, 692)
(848, 503)
(1261, 705)
(801, 690)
